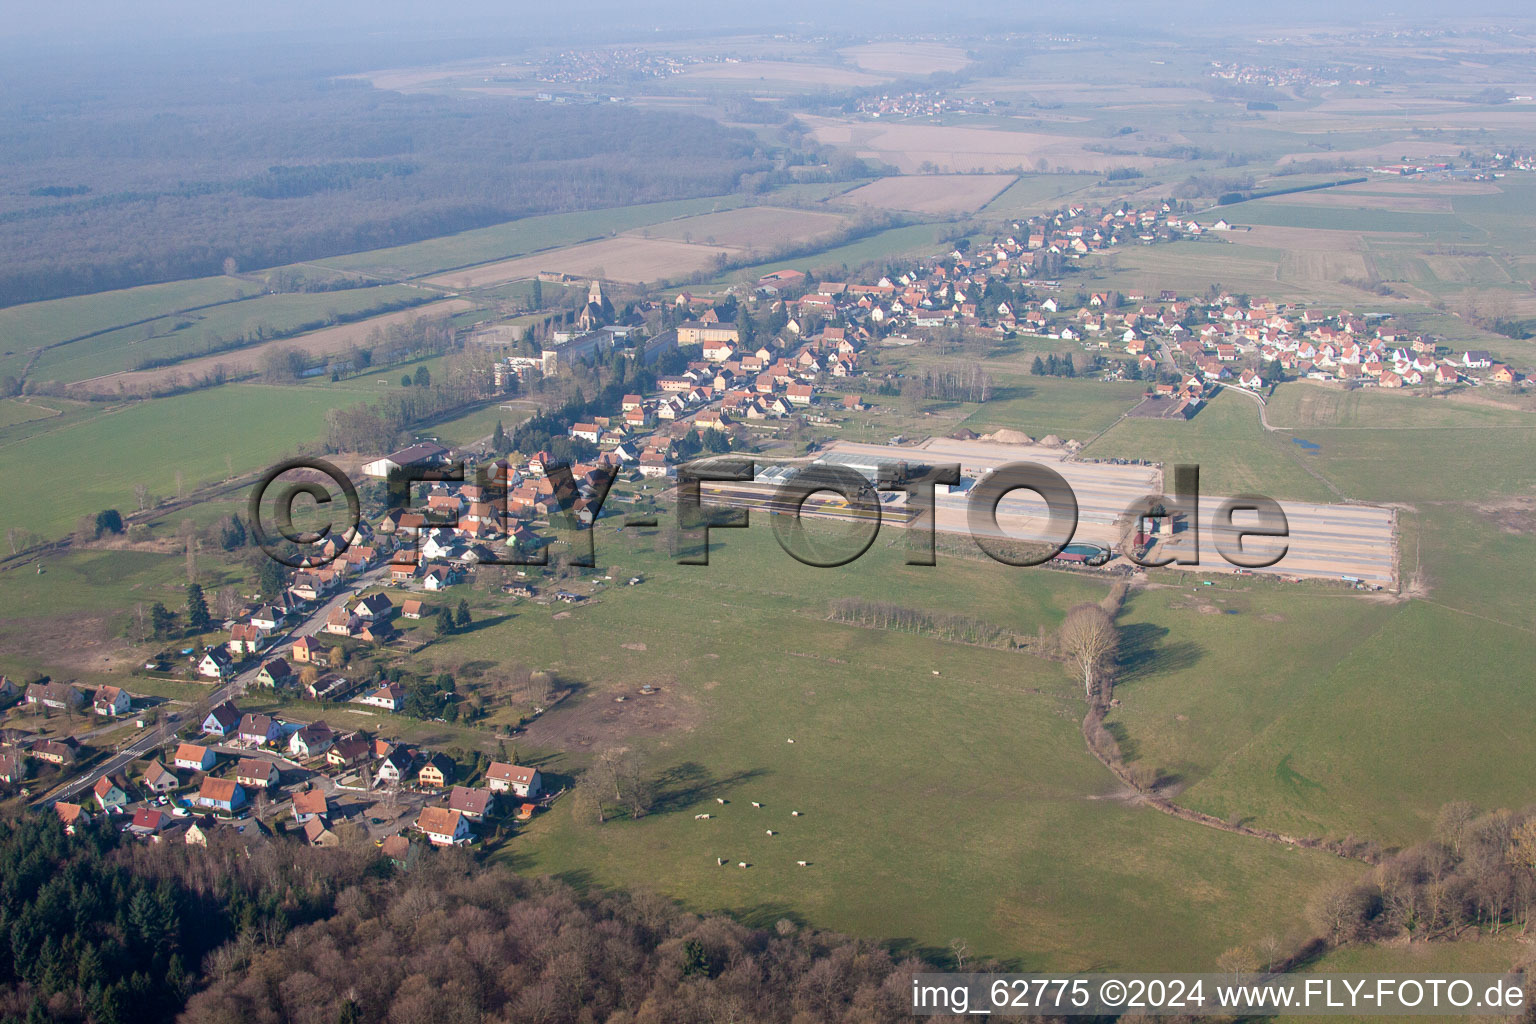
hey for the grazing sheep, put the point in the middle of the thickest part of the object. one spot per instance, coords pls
(719, 799)
(770, 832)
(791, 741)
(803, 863)
(702, 817)
(720, 862)
(741, 864)
(756, 804)
(794, 814)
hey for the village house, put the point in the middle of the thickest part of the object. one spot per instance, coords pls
(192, 757)
(348, 751)
(268, 617)
(147, 822)
(73, 816)
(435, 772)
(311, 741)
(258, 730)
(257, 773)
(390, 696)
(245, 638)
(439, 577)
(443, 826)
(221, 795)
(309, 804)
(159, 779)
(60, 752)
(13, 766)
(216, 664)
(222, 720)
(58, 696)
(112, 701)
(474, 804)
(309, 651)
(411, 610)
(520, 781)
(394, 766)
(109, 795)
(276, 674)
(317, 832)
(342, 622)
(375, 608)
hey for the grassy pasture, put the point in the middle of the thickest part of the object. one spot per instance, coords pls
(520, 237)
(26, 327)
(1421, 707)
(969, 792)
(1234, 453)
(92, 463)
(1033, 193)
(750, 227)
(1048, 405)
(933, 193)
(1459, 464)
(14, 411)
(1279, 213)
(1302, 405)
(883, 245)
(190, 335)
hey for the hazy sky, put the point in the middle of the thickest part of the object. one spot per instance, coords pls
(133, 22)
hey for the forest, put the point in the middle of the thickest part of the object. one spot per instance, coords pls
(130, 179)
(103, 929)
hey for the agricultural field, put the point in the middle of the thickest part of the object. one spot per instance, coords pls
(1363, 729)
(906, 58)
(14, 411)
(39, 324)
(937, 194)
(1035, 193)
(882, 245)
(962, 731)
(752, 228)
(913, 147)
(627, 258)
(520, 237)
(780, 76)
(84, 465)
(187, 336)
(323, 342)
(1235, 454)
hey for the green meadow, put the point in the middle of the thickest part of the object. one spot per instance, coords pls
(94, 460)
(1234, 453)
(193, 334)
(950, 774)
(23, 328)
(519, 237)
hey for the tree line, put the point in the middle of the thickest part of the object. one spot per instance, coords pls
(941, 625)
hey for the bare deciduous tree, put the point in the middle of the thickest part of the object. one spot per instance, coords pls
(1087, 640)
(1452, 822)
(227, 602)
(1237, 960)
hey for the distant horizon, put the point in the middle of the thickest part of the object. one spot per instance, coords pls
(479, 26)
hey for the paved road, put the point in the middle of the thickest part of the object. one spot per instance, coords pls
(151, 739)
